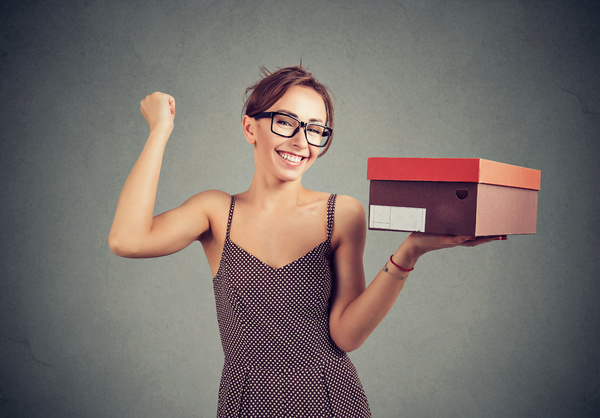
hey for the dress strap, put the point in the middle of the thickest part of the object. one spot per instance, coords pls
(230, 215)
(330, 214)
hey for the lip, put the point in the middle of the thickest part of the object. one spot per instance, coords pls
(294, 163)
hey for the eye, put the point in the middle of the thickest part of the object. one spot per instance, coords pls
(314, 129)
(285, 122)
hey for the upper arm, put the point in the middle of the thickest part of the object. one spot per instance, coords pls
(175, 229)
(348, 242)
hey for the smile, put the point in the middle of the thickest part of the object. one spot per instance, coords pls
(293, 158)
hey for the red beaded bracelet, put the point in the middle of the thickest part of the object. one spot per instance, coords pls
(397, 266)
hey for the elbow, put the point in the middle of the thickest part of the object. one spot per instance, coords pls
(120, 247)
(115, 246)
(348, 337)
(347, 343)
(349, 346)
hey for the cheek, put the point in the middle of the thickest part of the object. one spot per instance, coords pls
(265, 142)
(314, 153)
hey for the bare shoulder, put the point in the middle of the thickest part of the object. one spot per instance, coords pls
(211, 205)
(349, 221)
(348, 209)
(209, 199)
(214, 205)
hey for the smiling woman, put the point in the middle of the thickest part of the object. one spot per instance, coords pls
(279, 136)
(287, 262)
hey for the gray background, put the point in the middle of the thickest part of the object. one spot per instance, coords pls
(509, 329)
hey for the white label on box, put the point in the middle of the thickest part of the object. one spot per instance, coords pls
(397, 218)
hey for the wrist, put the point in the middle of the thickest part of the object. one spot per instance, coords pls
(163, 128)
(412, 247)
(399, 267)
(407, 255)
(160, 133)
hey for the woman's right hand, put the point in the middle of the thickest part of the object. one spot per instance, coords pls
(159, 111)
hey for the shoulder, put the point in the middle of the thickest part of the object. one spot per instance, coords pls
(209, 199)
(349, 220)
(207, 206)
(211, 208)
(348, 209)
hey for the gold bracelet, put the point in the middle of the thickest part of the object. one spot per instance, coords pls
(389, 272)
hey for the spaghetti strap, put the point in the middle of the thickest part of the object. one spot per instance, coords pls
(330, 214)
(230, 216)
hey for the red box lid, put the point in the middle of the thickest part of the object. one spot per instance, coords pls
(468, 170)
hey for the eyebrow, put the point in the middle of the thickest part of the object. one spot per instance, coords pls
(296, 116)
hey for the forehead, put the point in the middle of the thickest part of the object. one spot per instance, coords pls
(304, 102)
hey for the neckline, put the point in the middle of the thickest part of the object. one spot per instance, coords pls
(325, 242)
(330, 214)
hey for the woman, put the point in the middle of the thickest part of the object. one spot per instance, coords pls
(287, 262)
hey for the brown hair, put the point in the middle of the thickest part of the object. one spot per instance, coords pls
(267, 91)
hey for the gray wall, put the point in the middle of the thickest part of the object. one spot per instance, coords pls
(509, 329)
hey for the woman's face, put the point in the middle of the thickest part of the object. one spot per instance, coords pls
(286, 158)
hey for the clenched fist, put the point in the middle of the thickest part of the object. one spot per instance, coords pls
(159, 110)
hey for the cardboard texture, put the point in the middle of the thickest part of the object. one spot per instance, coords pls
(454, 196)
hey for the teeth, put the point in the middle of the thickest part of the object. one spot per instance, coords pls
(290, 157)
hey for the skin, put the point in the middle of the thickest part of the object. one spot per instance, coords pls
(274, 208)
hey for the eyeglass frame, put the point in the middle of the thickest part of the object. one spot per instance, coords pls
(265, 115)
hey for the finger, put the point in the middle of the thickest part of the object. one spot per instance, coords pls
(483, 240)
(462, 239)
(171, 101)
(496, 238)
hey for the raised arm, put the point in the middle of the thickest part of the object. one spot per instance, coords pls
(355, 311)
(135, 232)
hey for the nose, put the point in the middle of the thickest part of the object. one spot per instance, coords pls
(299, 138)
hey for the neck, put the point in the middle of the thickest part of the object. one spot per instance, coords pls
(274, 194)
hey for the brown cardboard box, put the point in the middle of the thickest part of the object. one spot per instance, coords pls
(455, 196)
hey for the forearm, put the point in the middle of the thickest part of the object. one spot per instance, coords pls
(365, 313)
(368, 308)
(135, 208)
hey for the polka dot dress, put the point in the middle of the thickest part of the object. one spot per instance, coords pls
(279, 358)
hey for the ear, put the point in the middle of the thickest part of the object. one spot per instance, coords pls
(249, 127)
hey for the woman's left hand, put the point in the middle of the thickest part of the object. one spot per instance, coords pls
(423, 243)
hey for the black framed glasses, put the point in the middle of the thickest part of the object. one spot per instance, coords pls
(287, 126)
